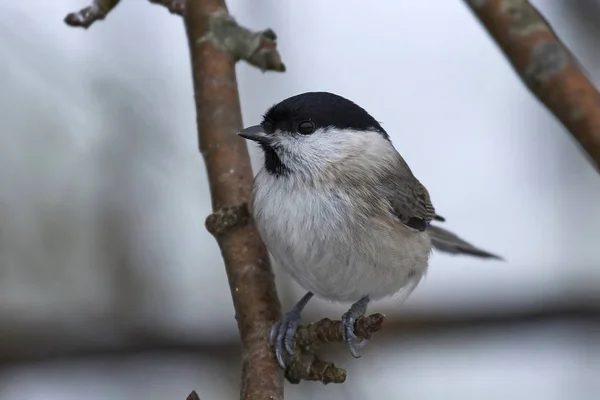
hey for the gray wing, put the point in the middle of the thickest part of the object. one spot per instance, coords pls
(411, 204)
(409, 200)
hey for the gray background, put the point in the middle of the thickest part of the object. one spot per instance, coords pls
(110, 288)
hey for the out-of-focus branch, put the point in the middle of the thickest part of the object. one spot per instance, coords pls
(100, 8)
(546, 66)
(90, 14)
(193, 396)
(216, 42)
(24, 343)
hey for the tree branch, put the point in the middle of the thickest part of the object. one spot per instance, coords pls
(546, 66)
(239, 43)
(305, 365)
(87, 16)
(100, 8)
(216, 42)
(224, 33)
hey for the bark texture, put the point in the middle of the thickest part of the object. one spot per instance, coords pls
(216, 42)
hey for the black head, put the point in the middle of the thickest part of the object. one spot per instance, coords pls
(317, 110)
(300, 116)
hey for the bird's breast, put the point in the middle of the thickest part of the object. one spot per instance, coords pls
(297, 215)
(317, 235)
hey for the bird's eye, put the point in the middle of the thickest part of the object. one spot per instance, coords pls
(306, 127)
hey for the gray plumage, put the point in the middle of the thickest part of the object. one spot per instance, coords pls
(339, 208)
(448, 242)
(338, 221)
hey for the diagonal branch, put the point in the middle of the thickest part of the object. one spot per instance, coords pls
(216, 42)
(87, 16)
(546, 66)
(99, 9)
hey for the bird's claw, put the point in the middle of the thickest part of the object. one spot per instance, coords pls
(349, 318)
(282, 332)
(350, 338)
(282, 336)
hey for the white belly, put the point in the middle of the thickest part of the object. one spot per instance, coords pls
(331, 251)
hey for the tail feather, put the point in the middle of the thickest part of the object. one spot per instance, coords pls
(448, 242)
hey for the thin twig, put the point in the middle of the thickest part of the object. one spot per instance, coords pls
(546, 66)
(90, 14)
(216, 42)
(99, 9)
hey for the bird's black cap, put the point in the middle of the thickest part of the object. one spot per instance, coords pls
(325, 110)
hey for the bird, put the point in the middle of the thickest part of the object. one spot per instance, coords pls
(339, 209)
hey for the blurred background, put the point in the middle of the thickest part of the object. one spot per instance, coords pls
(110, 287)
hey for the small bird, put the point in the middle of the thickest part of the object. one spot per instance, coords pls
(340, 210)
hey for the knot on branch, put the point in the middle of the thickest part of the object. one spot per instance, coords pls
(256, 48)
(305, 365)
(227, 218)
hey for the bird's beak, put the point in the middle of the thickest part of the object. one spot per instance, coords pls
(255, 133)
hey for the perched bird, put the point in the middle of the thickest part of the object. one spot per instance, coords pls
(340, 210)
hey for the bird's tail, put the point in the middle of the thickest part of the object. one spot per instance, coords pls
(448, 242)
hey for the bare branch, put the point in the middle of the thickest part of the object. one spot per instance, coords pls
(90, 14)
(306, 365)
(100, 8)
(546, 66)
(257, 48)
(216, 42)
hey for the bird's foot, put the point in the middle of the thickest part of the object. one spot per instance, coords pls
(282, 332)
(349, 318)
(282, 335)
